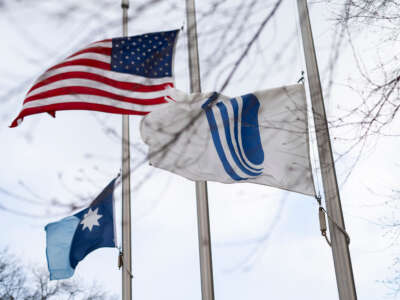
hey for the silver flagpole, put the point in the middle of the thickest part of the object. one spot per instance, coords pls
(203, 222)
(126, 188)
(340, 248)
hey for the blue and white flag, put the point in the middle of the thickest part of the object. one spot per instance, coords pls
(260, 137)
(69, 240)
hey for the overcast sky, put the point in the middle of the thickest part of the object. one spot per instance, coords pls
(266, 242)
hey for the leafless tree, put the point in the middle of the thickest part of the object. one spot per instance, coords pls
(376, 116)
(378, 66)
(12, 280)
(21, 282)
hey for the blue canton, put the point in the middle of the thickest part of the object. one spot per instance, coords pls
(148, 55)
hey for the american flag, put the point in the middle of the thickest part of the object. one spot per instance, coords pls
(128, 75)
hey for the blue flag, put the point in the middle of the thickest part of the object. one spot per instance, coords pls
(69, 240)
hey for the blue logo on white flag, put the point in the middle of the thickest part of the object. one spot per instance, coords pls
(238, 143)
(69, 240)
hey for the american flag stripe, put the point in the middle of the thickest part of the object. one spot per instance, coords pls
(63, 77)
(103, 43)
(66, 85)
(96, 45)
(95, 49)
(89, 79)
(78, 106)
(108, 74)
(147, 99)
(88, 99)
(94, 99)
(87, 62)
(89, 55)
(94, 81)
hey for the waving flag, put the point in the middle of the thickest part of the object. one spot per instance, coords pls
(260, 137)
(69, 240)
(129, 75)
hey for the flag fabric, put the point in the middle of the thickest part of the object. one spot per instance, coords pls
(69, 240)
(260, 137)
(127, 75)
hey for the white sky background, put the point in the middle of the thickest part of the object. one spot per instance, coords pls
(266, 243)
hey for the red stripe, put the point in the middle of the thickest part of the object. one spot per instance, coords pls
(129, 86)
(170, 98)
(74, 106)
(106, 40)
(83, 62)
(99, 50)
(83, 90)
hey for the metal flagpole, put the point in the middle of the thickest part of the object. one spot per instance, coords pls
(126, 188)
(203, 222)
(339, 243)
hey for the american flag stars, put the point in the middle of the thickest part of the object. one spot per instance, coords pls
(144, 55)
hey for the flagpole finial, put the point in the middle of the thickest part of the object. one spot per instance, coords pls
(125, 4)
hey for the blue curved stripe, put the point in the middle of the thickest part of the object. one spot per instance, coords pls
(235, 107)
(217, 142)
(225, 119)
(251, 140)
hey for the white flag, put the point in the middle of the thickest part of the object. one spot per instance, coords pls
(260, 138)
